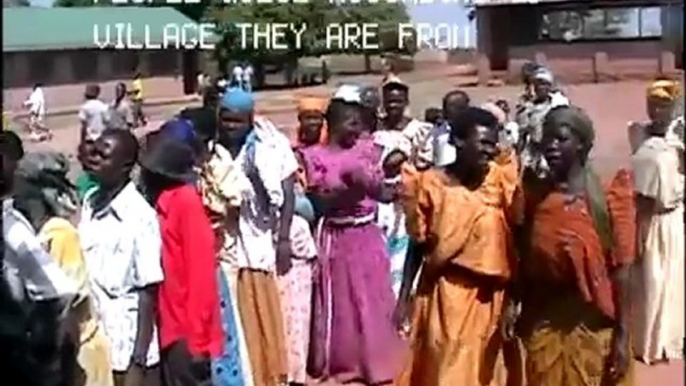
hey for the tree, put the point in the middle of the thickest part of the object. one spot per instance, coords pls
(316, 15)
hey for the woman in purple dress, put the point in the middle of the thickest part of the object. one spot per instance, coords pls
(353, 337)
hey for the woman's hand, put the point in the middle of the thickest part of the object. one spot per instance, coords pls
(283, 256)
(401, 315)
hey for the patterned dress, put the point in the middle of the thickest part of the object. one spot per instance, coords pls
(295, 291)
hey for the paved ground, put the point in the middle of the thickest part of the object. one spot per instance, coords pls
(610, 105)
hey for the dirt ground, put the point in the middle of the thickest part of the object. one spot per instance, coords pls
(611, 106)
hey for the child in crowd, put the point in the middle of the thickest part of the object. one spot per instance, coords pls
(391, 218)
(434, 116)
(509, 136)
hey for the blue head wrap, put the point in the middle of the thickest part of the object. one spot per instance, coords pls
(237, 99)
(180, 129)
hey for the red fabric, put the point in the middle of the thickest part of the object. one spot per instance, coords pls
(566, 249)
(189, 295)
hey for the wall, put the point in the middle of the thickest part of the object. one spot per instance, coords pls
(508, 36)
(578, 61)
(64, 75)
(52, 68)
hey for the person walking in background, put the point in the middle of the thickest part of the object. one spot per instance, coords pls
(48, 200)
(189, 316)
(658, 167)
(236, 77)
(120, 235)
(94, 114)
(121, 111)
(36, 103)
(138, 98)
(247, 78)
(577, 252)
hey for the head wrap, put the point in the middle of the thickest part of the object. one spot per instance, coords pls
(48, 172)
(664, 89)
(318, 104)
(313, 104)
(543, 74)
(496, 111)
(575, 119)
(180, 129)
(239, 100)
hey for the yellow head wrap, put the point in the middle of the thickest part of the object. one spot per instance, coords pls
(664, 89)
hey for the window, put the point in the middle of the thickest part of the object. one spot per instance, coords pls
(651, 22)
(602, 23)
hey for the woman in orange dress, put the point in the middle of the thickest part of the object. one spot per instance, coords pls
(579, 245)
(460, 217)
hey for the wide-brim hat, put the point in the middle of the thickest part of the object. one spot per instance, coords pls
(169, 157)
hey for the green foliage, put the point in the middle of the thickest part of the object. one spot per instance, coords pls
(316, 15)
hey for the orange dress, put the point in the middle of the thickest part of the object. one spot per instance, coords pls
(470, 259)
(568, 307)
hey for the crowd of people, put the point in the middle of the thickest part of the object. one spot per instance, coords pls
(474, 247)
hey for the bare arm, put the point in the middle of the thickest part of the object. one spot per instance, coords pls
(288, 208)
(413, 261)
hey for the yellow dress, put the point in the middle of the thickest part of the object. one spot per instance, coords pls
(455, 338)
(93, 358)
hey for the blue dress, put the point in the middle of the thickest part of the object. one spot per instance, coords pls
(226, 370)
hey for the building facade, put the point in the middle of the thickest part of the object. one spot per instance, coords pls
(583, 40)
(58, 47)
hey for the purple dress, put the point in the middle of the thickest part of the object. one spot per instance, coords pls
(353, 337)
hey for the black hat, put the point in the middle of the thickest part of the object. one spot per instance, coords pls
(169, 157)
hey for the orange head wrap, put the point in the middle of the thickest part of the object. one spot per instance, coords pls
(318, 104)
